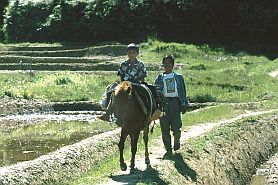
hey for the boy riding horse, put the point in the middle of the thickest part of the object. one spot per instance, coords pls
(134, 71)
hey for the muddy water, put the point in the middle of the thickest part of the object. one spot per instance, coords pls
(27, 137)
(267, 173)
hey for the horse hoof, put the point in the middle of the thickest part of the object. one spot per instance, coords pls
(123, 166)
(147, 161)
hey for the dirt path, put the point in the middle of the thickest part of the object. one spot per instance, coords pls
(157, 150)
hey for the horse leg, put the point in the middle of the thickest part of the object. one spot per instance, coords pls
(146, 139)
(124, 134)
(134, 141)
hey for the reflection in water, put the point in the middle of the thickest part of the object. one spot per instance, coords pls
(30, 142)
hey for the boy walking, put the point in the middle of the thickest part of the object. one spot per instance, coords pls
(172, 85)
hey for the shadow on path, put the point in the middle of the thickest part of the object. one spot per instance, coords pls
(150, 175)
(183, 168)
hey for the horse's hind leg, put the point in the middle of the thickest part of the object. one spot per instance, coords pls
(134, 141)
(121, 148)
(146, 140)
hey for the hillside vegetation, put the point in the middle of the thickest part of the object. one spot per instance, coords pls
(198, 21)
(211, 74)
(233, 83)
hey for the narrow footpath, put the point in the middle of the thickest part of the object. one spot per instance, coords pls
(157, 150)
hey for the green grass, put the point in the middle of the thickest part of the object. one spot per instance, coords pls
(29, 44)
(214, 75)
(224, 133)
(210, 115)
(54, 131)
(211, 75)
(101, 173)
(60, 86)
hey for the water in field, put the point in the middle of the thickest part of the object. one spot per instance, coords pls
(25, 138)
(267, 173)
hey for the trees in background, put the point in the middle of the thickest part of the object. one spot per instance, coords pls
(249, 21)
(3, 4)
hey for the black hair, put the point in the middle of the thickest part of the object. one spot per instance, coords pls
(168, 57)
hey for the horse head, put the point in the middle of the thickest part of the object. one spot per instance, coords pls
(121, 100)
(123, 89)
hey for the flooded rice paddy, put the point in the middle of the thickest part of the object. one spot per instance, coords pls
(267, 173)
(26, 137)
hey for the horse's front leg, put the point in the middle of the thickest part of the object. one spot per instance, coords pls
(124, 134)
(146, 140)
(134, 140)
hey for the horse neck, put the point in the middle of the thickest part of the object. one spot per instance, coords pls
(121, 101)
(126, 107)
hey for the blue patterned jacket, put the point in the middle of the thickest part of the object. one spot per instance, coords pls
(133, 73)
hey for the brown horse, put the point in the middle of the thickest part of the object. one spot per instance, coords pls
(132, 120)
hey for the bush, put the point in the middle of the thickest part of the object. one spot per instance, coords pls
(203, 98)
(22, 20)
(121, 20)
(63, 81)
(3, 5)
(61, 20)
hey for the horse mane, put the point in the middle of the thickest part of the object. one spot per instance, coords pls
(123, 87)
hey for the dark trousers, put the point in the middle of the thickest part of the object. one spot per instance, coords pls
(171, 121)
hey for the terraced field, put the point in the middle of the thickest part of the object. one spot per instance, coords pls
(55, 58)
(228, 85)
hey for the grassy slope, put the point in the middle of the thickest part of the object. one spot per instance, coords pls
(212, 75)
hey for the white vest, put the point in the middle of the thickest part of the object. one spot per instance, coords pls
(170, 85)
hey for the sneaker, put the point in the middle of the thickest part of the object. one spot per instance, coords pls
(177, 146)
(104, 117)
